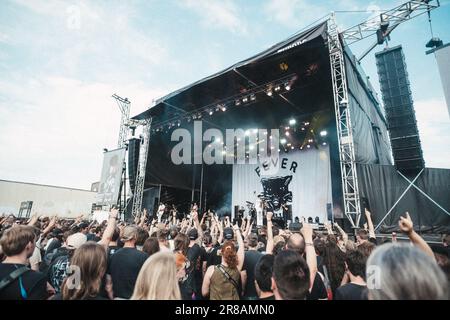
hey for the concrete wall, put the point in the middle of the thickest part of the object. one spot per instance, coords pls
(47, 200)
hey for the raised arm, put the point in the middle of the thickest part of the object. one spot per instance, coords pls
(197, 225)
(311, 258)
(406, 226)
(240, 252)
(269, 246)
(344, 235)
(369, 223)
(50, 226)
(109, 231)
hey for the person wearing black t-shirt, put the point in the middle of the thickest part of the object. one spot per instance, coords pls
(251, 258)
(355, 289)
(196, 256)
(125, 264)
(263, 277)
(18, 244)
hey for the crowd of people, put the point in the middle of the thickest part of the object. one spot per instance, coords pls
(207, 258)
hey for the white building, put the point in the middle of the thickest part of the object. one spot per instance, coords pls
(47, 200)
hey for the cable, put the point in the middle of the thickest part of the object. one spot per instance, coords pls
(429, 21)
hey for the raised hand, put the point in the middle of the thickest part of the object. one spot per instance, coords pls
(269, 216)
(406, 224)
(307, 232)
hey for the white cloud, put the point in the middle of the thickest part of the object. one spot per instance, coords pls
(434, 129)
(56, 132)
(218, 14)
(299, 13)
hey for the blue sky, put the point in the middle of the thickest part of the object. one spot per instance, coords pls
(60, 62)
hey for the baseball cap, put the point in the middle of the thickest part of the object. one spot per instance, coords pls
(57, 232)
(193, 234)
(76, 240)
(228, 233)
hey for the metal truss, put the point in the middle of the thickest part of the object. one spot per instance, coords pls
(390, 19)
(344, 127)
(124, 106)
(142, 165)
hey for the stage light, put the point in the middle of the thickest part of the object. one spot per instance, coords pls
(279, 150)
(292, 147)
(247, 132)
(287, 133)
(255, 130)
(211, 112)
(289, 144)
(238, 139)
(245, 99)
(270, 137)
(323, 133)
(306, 123)
(310, 140)
(265, 133)
(303, 129)
(251, 147)
(269, 92)
(287, 86)
(224, 108)
(324, 143)
(277, 88)
(199, 115)
(272, 147)
(194, 117)
(283, 141)
(262, 149)
(237, 102)
(308, 146)
(224, 152)
(179, 123)
(301, 147)
(292, 122)
(252, 97)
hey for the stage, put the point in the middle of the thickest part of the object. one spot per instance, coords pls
(288, 87)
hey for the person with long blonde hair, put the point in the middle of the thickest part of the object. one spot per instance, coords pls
(89, 263)
(157, 279)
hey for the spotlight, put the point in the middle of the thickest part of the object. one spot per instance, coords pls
(255, 130)
(245, 99)
(283, 141)
(251, 147)
(308, 146)
(277, 88)
(217, 140)
(272, 147)
(237, 102)
(292, 122)
(310, 140)
(252, 97)
(269, 92)
(199, 115)
(265, 133)
(324, 143)
(194, 117)
(279, 150)
(287, 86)
(306, 123)
(289, 144)
(224, 108)
(238, 139)
(224, 152)
(303, 129)
(287, 133)
(292, 147)
(211, 112)
(323, 133)
(247, 132)
(179, 123)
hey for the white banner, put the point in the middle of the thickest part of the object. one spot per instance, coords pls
(443, 61)
(302, 179)
(111, 178)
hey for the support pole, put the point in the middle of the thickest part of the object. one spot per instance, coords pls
(201, 190)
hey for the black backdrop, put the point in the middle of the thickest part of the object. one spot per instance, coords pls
(382, 186)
